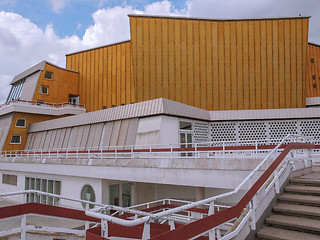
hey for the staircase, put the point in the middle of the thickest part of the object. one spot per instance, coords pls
(297, 213)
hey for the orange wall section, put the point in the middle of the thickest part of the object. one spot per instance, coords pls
(221, 64)
(63, 83)
(313, 78)
(30, 118)
(105, 75)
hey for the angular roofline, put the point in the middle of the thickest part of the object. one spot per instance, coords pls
(215, 19)
(314, 44)
(162, 106)
(90, 49)
(38, 67)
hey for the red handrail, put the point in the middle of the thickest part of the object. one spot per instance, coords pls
(207, 223)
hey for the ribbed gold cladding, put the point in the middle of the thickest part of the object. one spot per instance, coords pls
(313, 79)
(105, 75)
(221, 64)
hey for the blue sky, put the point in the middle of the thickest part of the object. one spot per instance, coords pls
(36, 30)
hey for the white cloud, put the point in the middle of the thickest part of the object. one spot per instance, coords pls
(58, 5)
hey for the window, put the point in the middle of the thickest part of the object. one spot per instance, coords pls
(185, 125)
(9, 179)
(87, 194)
(48, 75)
(43, 185)
(15, 139)
(16, 90)
(21, 122)
(74, 99)
(44, 90)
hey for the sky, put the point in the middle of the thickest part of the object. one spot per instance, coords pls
(35, 30)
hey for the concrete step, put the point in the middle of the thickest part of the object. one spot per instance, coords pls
(305, 181)
(299, 210)
(271, 233)
(296, 223)
(311, 190)
(300, 199)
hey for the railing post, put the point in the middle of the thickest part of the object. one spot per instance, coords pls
(171, 150)
(276, 183)
(223, 150)
(196, 150)
(212, 233)
(172, 226)
(253, 213)
(146, 231)
(104, 228)
(23, 226)
(132, 152)
(86, 224)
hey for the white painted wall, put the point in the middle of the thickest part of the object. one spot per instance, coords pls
(30, 86)
(5, 123)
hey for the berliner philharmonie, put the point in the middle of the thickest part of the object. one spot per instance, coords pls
(192, 129)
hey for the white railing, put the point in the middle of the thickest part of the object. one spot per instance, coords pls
(42, 103)
(250, 216)
(184, 217)
(247, 149)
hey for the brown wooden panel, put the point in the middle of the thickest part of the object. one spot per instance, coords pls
(196, 64)
(287, 71)
(184, 62)
(293, 57)
(275, 63)
(152, 62)
(178, 42)
(227, 69)
(215, 66)
(209, 68)
(281, 65)
(146, 59)
(202, 64)
(222, 61)
(171, 60)
(257, 53)
(234, 78)
(190, 60)
(264, 84)
(241, 64)
(252, 74)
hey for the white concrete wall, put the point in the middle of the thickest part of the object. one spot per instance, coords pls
(5, 123)
(30, 86)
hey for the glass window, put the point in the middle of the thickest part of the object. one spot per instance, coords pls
(21, 122)
(44, 90)
(185, 125)
(114, 194)
(16, 90)
(126, 194)
(87, 193)
(15, 139)
(48, 75)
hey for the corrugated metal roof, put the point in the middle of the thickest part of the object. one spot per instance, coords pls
(172, 108)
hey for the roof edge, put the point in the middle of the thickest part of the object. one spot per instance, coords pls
(214, 19)
(90, 49)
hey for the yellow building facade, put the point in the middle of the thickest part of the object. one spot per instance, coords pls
(210, 64)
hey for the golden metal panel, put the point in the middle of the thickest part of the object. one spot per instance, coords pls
(158, 60)
(293, 57)
(203, 67)
(184, 62)
(171, 59)
(275, 61)
(241, 64)
(234, 78)
(227, 50)
(190, 60)
(222, 60)
(165, 58)
(146, 59)
(257, 52)
(152, 62)
(269, 70)
(287, 73)
(264, 84)
(196, 64)
(215, 66)
(281, 65)
(209, 66)
(252, 74)
(178, 61)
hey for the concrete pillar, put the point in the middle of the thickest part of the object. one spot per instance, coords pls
(200, 193)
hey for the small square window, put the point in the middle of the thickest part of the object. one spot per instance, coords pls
(185, 125)
(48, 75)
(15, 139)
(44, 90)
(21, 122)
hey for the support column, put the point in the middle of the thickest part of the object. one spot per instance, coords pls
(200, 193)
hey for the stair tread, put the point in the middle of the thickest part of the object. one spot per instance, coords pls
(297, 209)
(303, 189)
(284, 234)
(294, 222)
(304, 180)
(300, 198)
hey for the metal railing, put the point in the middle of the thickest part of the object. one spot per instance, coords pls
(247, 149)
(42, 103)
(213, 229)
